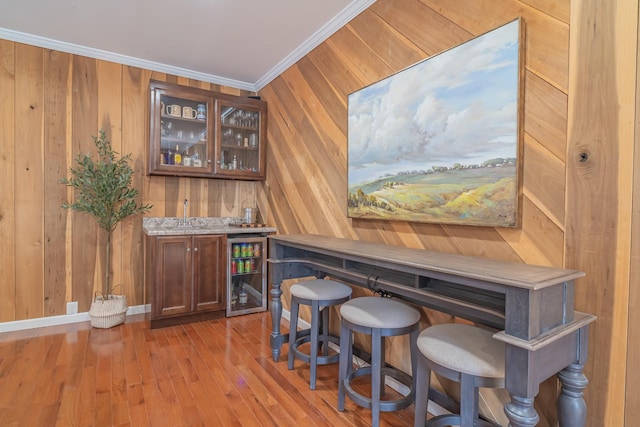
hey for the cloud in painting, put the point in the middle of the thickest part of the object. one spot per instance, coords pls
(458, 106)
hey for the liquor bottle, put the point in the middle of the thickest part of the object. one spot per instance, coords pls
(177, 157)
(170, 158)
(186, 160)
(243, 297)
(195, 160)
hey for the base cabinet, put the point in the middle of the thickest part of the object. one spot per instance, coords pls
(186, 275)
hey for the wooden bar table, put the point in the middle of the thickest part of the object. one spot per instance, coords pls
(533, 306)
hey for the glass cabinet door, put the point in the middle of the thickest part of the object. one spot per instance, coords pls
(240, 150)
(181, 131)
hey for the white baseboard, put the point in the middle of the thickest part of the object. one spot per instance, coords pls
(19, 325)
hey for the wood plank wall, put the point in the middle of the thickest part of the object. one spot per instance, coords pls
(574, 214)
(52, 104)
(602, 193)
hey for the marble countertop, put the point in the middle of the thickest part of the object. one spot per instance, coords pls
(172, 226)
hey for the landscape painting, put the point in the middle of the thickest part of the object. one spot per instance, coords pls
(439, 141)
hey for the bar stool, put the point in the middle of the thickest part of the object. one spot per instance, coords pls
(380, 318)
(466, 354)
(320, 295)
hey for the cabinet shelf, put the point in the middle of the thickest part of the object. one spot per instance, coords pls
(246, 273)
(252, 303)
(190, 142)
(183, 119)
(237, 127)
(239, 147)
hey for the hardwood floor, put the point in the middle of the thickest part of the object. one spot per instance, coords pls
(212, 373)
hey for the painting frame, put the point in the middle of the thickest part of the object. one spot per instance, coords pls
(439, 145)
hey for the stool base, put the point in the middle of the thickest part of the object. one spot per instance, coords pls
(385, 405)
(318, 334)
(304, 337)
(454, 420)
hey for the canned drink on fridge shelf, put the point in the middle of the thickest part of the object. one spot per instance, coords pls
(243, 250)
(247, 266)
(234, 267)
(253, 264)
(236, 251)
(256, 249)
(240, 268)
(249, 249)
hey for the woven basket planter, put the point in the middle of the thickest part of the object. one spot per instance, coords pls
(109, 312)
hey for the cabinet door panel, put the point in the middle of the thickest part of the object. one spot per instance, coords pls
(240, 144)
(173, 275)
(209, 263)
(181, 130)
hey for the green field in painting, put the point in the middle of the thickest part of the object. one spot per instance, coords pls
(482, 196)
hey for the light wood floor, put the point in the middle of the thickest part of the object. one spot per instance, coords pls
(214, 373)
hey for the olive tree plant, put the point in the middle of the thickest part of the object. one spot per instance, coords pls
(104, 191)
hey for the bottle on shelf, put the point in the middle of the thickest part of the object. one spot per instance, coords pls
(186, 160)
(243, 297)
(195, 160)
(177, 157)
(234, 162)
(170, 157)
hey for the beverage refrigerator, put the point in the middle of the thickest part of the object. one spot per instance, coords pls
(246, 274)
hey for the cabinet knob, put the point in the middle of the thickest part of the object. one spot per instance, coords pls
(195, 249)
(188, 249)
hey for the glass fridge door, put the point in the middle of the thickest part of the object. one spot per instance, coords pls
(246, 273)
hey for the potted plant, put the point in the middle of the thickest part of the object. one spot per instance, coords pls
(104, 191)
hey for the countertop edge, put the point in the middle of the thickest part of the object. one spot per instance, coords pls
(161, 231)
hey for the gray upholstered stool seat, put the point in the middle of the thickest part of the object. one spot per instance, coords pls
(380, 318)
(462, 353)
(319, 294)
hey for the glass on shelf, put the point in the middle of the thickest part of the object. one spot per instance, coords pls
(238, 117)
(182, 128)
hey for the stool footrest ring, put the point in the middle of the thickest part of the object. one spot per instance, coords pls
(385, 405)
(305, 357)
(454, 419)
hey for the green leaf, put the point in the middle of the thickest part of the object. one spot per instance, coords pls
(104, 191)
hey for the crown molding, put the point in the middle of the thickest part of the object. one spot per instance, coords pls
(347, 14)
(75, 49)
